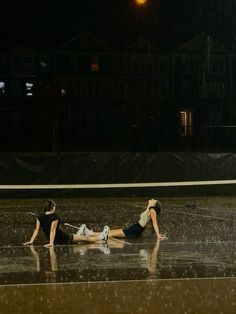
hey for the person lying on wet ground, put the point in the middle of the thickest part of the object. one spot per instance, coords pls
(149, 215)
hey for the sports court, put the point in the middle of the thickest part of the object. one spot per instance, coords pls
(191, 272)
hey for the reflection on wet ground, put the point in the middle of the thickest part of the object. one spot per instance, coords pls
(117, 261)
(191, 272)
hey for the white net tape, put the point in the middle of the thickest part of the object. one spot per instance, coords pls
(114, 185)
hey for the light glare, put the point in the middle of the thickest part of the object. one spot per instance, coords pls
(140, 2)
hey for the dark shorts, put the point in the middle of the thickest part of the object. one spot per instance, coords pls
(133, 231)
(70, 239)
(65, 239)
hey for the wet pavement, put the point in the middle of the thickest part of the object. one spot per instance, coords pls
(192, 272)
(117, 261)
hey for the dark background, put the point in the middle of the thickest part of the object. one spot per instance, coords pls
(48, 121)
(50, 22)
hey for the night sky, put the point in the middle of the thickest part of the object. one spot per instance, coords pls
(48, 23)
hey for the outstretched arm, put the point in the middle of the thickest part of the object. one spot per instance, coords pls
(52, 233)
(34, 235)
(155, 225)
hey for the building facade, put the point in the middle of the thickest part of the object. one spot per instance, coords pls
(85, 96)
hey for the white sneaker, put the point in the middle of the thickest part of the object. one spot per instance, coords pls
(104, 234)
(88, 232)
(104, 248)
(81, 230)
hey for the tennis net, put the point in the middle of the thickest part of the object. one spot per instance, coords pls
(184, 188)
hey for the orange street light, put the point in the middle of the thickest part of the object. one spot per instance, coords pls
(140, 2)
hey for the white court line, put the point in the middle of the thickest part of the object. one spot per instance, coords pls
(114, 185)
(118, 240)
(59, 246)
(166, 210)
(42, 246)
(204, 216)
(114, 281)
(166, 242)
(221, 210)
(215, 209)
(28, 246)
(198, 242)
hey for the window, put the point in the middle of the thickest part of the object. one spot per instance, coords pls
(63, 92)
(2, 88)
(186, 123)
(43, 63)
(94, 65)
(29, 89)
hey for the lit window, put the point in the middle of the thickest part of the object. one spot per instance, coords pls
(186, 123)
(63, 91)
(29, 88)
(43, 64)
(2, 88)
(94, 66)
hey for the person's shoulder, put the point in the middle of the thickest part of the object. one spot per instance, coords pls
(56, 216)
(40, 216)
(152, 210)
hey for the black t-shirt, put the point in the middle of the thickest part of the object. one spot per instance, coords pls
(46, 220)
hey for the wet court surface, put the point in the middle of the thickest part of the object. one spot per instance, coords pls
(191, 272)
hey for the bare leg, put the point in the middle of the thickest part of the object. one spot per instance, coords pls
(96, 233)
(117, 233)
(91, 239)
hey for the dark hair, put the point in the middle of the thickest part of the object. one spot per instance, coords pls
(49, 205)
(157, 207)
